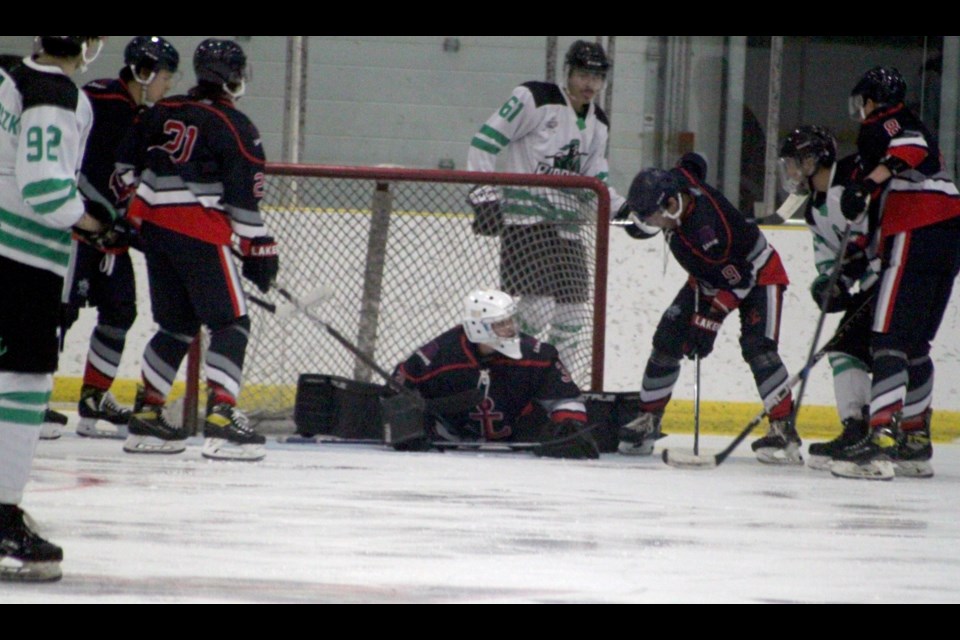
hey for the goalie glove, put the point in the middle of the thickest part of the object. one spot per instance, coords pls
(568, 439)
(487, 213)
(261, 261)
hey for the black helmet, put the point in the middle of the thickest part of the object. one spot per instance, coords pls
(810, 141)
(151, 53)
(650, 190)
(219, 62)
(64, 46)
(588, 56)
(883, 85)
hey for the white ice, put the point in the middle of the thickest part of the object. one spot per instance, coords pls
(362, 524)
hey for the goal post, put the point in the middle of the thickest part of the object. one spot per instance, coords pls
(398, 249)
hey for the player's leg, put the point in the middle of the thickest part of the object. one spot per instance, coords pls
(660, 376)
(217, 295)
(569, 279)
(759, 345)
(149, 430)
(522, 275)
(29, 347)
(114, 295)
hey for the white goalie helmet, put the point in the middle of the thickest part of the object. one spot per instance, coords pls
(490, 318)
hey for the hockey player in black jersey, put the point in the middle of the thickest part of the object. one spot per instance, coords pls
(200, 165)
(528, 394)
(916, 204)
(733, 268)
(102, 275)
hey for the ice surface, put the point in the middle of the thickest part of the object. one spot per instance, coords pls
(362, 524)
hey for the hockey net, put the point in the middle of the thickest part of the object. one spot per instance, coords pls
(397, 252)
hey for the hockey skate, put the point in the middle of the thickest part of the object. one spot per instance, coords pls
(24, 555)
(780, 446)
(98, 405)
(869, 459)
(52, 426)
(228, 436)
(821, 453)
(637, 437)
(915, 450)
(150, 432)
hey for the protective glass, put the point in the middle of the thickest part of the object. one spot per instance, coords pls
(794, 174)
(506, 328)
(855, 108)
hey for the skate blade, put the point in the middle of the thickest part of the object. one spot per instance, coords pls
(874, 470)
(87, 428)
(819, 463)
(913, 469)
(781, 457)
(18, 571)
(48, 432)
(220, 449)
(151, 445)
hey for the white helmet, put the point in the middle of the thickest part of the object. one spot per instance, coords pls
(490, 318)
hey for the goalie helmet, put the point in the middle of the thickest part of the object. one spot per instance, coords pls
(650, 190)
(220, 62)
(588, 56)
(490, 318)
(150, 54)
(804, 150)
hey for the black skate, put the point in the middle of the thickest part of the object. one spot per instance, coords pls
(52, 426)
(228, 436)
(150, 432)
(781, 445)
(24, 555)
(869, 459)
(637, 437)
(915, 450)
(98, 405)
(821, 453)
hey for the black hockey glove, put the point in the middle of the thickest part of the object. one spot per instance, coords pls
(568, 439)
(487, 213)
(702, 333)
(855, 197)
(261, 261)
(837, 299)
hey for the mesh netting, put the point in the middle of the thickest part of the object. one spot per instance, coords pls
(399, 257)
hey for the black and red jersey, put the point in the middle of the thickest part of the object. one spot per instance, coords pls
(722, 250)
(200, 164)
(114, 111)
(451, 364)
(921, 193)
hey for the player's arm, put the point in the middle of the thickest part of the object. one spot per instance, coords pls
(515, 119)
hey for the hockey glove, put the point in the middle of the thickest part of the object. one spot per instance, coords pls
(568, 439)
(261, 261)
(855, 197)
(836, 299)
(487, 214)
(702, 333)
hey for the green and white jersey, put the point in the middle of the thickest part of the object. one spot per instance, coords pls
(537, 131)
(827, 223)
(44, 123)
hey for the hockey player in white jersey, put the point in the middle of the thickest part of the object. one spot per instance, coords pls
(545, 129)
(809, 168)
(44, 123)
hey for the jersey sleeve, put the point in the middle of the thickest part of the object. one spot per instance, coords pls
(515, 119)
(49, 153)
(598, 167)
(244, 180)
(559, 395)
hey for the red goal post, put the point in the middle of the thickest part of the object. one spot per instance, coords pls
(397, 248)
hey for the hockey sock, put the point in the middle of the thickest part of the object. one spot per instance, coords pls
(161, 361)
(770, 375)
(889, 388)
(23, 402)
(919, 388)
(565, 331)
(851, 385)
(659, 378)
(534, 313)
(103, 358)
(224, 360)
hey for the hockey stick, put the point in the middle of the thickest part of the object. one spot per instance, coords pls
(686, 461)
(824, 305)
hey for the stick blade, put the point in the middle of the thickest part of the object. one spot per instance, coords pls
(684, 460)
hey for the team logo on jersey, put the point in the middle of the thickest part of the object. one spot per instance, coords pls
(892, 127)
(707, 238)
(488, 417)
(564, 162)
